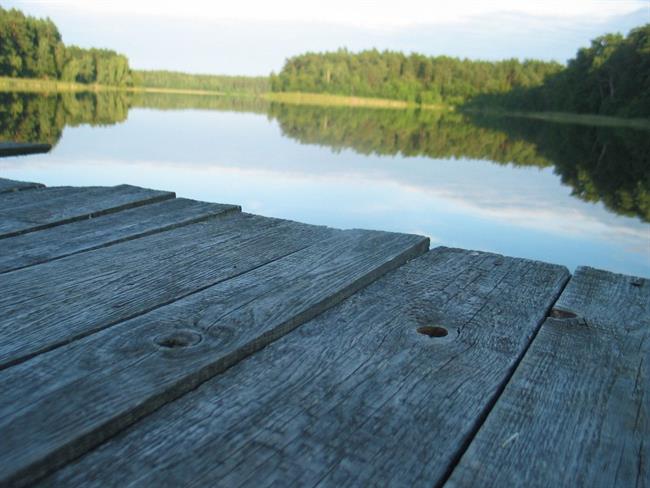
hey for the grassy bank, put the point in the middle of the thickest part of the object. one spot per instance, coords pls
(325, 100)
(38, 86)
(45, 86)
(30, 85)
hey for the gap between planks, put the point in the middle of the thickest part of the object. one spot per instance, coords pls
(342, 399)
(41, 208)
(575, 412)
(492, 402)
(85, 235)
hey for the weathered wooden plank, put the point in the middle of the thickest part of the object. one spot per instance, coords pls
(21, 148)
(88, 234)
(13, 185)
(65, 401)
(44, 306)
(576, 412)
(357, 396)
(22, 212)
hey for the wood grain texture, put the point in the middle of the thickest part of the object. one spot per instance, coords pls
(7, 186)
(28, 211)
(356, 396)
(88, 234)
(22, 148)
(577, 411)
(45, 306)
(68, 400)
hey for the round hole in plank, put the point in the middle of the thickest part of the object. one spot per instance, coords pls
(178, 339)
(432, 331)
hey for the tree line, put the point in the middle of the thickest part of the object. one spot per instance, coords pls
(33, 48)
(187, 81)
(415, 77)
(609, 77)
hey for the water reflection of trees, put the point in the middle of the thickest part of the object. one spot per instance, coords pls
(31, 117)
(177, 101)
(605, 164)
(404, 132)
(41, 118)
(611, 165)
(608, 164)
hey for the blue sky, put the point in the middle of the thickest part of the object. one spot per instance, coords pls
(254, 37)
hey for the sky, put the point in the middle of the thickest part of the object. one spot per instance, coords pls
(254, 37)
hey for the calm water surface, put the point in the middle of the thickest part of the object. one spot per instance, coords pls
(561, 193)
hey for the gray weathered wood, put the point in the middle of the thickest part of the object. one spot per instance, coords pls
(577, 411)
(65, 401)
(355, 397)
(88, 234)
(13, 185)
(44, 306)
(21, 148)
(28, 211)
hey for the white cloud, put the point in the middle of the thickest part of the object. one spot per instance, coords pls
(369, 13)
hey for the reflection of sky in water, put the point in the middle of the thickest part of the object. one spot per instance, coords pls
(242, 158)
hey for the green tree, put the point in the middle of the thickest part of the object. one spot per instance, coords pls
(610, 77)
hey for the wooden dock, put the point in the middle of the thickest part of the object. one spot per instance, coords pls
(148, 340)
(10, 148)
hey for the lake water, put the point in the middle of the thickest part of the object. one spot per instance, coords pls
(562, 193)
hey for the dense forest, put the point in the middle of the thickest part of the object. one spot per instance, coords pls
(187, 81)
(32, 48)
(415, 78)
(610, 77)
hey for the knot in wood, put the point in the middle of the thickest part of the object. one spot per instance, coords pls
(558, 313)
(432, 331)
(178, 339)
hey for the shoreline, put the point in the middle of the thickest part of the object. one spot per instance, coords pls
(326, 99)
(30, 85)
(568, 118)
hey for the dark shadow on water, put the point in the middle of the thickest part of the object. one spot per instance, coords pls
(607, 164)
